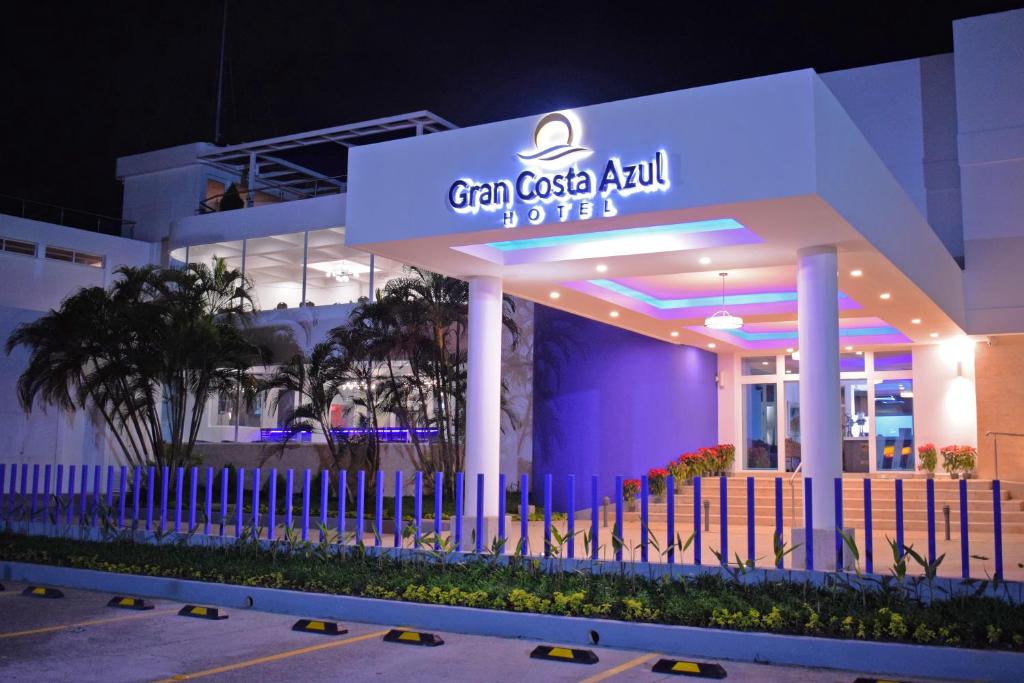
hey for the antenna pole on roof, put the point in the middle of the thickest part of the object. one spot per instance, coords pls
(220, 75)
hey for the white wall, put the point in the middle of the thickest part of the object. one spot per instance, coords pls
(945, 409)
(989, 57)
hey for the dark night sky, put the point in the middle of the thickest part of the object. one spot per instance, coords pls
(86, 82)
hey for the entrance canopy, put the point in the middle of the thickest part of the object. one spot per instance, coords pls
(627, 212)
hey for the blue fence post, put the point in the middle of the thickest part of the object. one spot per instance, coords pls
(644, 518)
(547, 515)
(96, 470)
(121, 501)
(254, 501)
(23, 495)
(777, 543)
(306, 483)
(150, 493)
(524, 515)
(224, 481)
(110, 493)
(696, 521)
(965, 553)
(3, 494)
(289, 492)
(808, 525)
(670, 518)
(869, 541)
(193, 496)
(438, 508)
(83, 493)
(342, 503)
(360, 505)
(47, 473)
(4, 510)
(997, 526)
(272, 504)
(929, 489)
(570, 524)
(58, 492)
(418, 505)
(34, 504)
(617, 540)
(501, 513)
(325, 483)
(595, 523)
(480, 511)
(751, 549)
(378, 516)
(136, 495)
(839, 522)
(165, 490)
(899, 517)
(179, 493)
(239, 501)
(458, 510)
(13, 491)
(398, 508)
(208, 503)
(723, 519)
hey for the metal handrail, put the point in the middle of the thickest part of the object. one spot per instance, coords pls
(792, 493)
(305, 188)
(995, 446)
(62, 215)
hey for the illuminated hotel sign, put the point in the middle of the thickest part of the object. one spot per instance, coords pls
(554, 185)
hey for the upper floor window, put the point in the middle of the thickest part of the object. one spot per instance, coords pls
(17, 247)
(71, 256)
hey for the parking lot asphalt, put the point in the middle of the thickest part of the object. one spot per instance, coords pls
(80, 638)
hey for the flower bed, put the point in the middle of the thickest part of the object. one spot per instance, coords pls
(844, 610)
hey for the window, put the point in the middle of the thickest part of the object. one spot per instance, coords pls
(759, 365)
(71, 256)
(853, 404)
(249, 416)
(274, 265)
(792, 396)
(760, 419)
(17, 247)
(894, 424)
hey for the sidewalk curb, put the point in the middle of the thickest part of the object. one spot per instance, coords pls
(679, 641)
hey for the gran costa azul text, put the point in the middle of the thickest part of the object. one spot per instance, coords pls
(568, 194)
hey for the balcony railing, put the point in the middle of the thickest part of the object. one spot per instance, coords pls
(62, 215)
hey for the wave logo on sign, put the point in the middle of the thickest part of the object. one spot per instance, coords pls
(556, 141)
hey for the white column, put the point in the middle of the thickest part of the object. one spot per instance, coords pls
(817, 287)
(483, 393)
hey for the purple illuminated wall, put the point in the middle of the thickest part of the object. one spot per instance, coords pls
(610, 402)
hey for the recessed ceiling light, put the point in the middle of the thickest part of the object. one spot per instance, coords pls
(848, 348)
(856, 273)
(885, 296)
(934, 335)
(916, 321)
(674, 333)
(614, 314)
(789, 350)
(705, 260)
(555, 295)
(601, 268)
(860, 353)
(711, 345)
(764, 362)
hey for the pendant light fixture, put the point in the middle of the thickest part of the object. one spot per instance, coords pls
(723, 320)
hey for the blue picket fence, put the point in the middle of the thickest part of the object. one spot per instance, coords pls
(34, 493)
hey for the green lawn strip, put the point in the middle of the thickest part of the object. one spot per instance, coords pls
(840, 611)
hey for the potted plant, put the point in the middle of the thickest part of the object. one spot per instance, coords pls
(630, 489)
(928, 458)
(949, 461)
(967, 458)
(656, 483)
(678, 471)
(725, 455)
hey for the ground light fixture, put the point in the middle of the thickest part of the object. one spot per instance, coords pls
(723, 320)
